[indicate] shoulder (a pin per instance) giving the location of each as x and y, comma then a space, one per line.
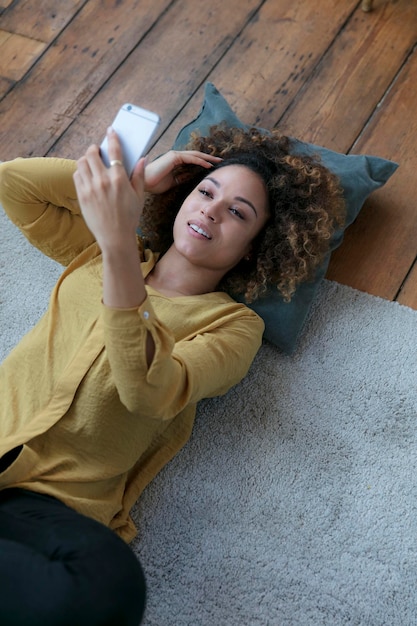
218, 310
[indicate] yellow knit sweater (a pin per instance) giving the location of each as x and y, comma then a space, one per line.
95, 422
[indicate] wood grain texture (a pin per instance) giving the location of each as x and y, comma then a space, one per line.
276, 54
41, 21
380, 247
333, 108
268, 63
17, 54
408, 292
72, 71
173, 60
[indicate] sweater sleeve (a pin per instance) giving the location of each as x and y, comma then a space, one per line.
183, 372
39, 196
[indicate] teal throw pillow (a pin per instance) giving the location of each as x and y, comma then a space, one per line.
359, 176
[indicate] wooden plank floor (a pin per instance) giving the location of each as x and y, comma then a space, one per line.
324, 71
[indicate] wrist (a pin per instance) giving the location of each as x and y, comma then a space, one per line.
123, 284
119, 247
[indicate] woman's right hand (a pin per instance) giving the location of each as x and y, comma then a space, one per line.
111, 205
160, 174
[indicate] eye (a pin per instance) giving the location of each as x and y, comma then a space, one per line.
205, 192
236, 212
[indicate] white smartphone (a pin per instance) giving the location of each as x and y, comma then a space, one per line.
135, 128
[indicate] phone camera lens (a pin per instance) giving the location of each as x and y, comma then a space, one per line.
129, 108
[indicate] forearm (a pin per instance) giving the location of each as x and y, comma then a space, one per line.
29, 186
208, 362
38, 195
123, 284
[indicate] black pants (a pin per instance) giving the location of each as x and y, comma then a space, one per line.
59, 568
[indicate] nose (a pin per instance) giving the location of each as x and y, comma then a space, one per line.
211, 212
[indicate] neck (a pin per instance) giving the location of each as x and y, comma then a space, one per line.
174, 275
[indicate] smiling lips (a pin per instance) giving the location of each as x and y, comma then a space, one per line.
196, 228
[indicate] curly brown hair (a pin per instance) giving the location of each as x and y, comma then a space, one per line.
305, 204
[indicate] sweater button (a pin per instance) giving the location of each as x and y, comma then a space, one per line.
146, 315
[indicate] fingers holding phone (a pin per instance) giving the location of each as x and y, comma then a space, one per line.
110, 204
135, 128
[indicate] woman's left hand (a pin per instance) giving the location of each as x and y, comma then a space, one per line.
160, 174
111, 204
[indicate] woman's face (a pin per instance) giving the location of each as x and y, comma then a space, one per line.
218, 221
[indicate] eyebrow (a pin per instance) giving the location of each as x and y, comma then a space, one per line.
239, 198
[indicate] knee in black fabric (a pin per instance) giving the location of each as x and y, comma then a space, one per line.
59, 568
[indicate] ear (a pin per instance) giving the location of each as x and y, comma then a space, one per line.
248, 254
